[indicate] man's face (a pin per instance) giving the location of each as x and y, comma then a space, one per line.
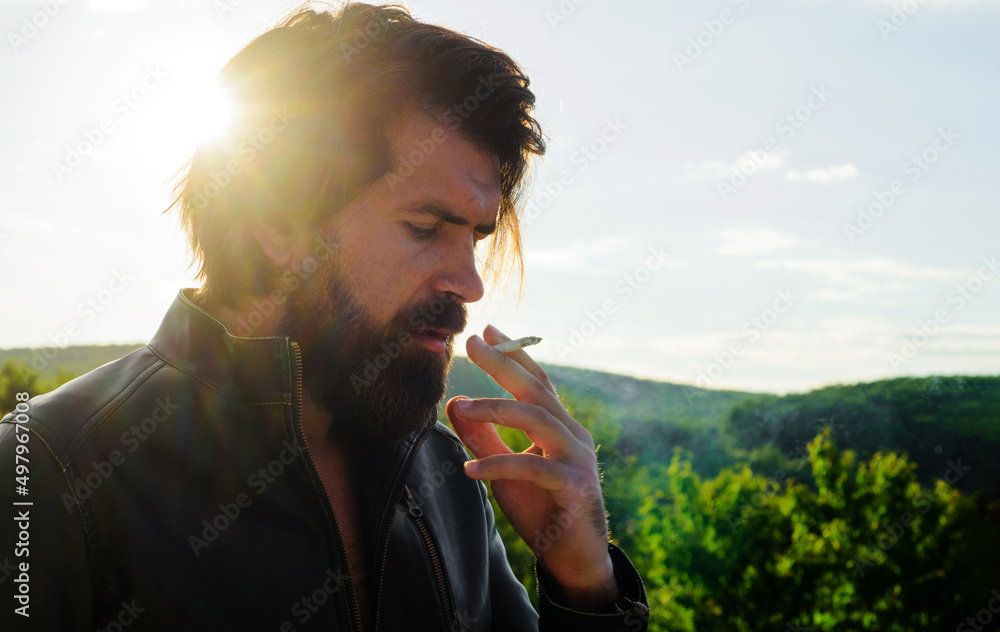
404, 265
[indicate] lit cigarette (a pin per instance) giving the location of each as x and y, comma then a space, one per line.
514, 345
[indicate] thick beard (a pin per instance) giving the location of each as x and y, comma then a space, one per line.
376, 381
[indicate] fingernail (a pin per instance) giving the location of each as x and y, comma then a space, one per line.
471, 466
463, 404
496, 331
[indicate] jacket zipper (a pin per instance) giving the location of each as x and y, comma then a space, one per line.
354, 621
407, 469
417, 513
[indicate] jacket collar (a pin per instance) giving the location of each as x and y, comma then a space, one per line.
251, 369
258, 370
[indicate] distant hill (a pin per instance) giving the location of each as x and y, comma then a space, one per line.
76, 359
629, 400
948, 425
938, 421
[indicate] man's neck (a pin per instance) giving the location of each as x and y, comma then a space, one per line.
316, 424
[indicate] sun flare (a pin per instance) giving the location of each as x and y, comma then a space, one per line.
207, 116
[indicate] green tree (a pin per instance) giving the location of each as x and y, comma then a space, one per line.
868, 548
16, 377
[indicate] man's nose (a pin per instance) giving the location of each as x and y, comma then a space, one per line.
460, 276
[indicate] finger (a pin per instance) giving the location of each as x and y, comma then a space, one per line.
520, 383
536, 422
481, 439
546, 473
494, 336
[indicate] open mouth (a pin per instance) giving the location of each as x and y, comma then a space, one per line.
440, 334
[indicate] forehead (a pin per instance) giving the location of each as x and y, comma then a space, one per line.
429, 159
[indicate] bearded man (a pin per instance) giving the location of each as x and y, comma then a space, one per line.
272, 458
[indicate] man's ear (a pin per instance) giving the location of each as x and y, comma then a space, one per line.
277, 244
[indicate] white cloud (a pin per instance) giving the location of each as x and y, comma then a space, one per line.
753, 160
873, 265
572, 257
859, 279
752, 242
708, 170
117, 5
613, 248
952, 3
837, 172
606, 245
747, 163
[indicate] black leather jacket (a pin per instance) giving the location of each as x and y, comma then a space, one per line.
174, 489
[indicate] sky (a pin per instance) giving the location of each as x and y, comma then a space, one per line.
764, 195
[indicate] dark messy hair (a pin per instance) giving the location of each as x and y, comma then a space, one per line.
314, 101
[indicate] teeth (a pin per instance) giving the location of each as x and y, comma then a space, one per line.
425, 331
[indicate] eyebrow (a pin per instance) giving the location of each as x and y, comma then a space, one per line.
447, 216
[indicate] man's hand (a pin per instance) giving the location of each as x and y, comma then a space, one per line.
551, 492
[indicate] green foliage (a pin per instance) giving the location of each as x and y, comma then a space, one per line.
868, 548
934, 420
16, 377
863, 545
74, 359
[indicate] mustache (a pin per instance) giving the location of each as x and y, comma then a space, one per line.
441, 312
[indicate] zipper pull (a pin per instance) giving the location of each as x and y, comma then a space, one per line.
415, 509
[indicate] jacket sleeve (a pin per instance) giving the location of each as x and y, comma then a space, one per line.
512, 609
629, 614
510, 605
43, 548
